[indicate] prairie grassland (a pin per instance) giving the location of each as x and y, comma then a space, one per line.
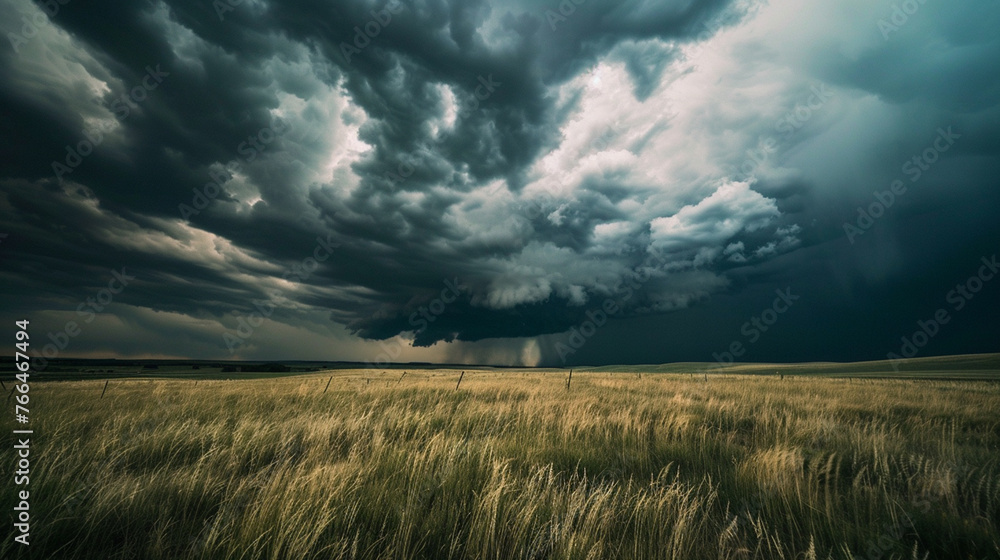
513, 465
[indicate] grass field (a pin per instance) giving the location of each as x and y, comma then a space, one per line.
626, 464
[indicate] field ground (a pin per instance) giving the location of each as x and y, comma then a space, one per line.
629, 462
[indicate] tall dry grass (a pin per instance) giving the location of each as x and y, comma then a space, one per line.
513, 466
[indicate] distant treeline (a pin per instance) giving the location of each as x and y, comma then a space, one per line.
273, 368
78, 364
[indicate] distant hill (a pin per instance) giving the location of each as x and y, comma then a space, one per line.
972, 366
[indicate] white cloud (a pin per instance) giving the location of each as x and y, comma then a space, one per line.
731, 209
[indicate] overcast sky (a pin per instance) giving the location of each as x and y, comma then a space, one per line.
507, 182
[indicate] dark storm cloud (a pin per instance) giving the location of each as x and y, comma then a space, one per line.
217, 94
536, 156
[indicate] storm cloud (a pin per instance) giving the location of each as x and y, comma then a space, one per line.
469, 180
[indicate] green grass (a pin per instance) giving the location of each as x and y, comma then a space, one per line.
513, 465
